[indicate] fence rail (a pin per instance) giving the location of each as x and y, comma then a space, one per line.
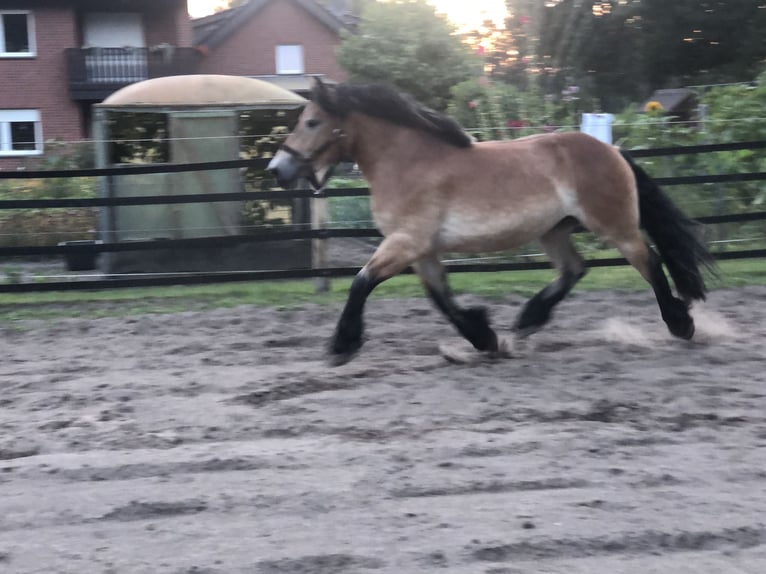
290, 234
258, 163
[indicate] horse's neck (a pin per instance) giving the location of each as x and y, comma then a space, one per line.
378, 144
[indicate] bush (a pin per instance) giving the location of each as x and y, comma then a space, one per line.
733, 114
40, 227
353, 212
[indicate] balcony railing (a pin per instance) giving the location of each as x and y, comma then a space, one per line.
94, 73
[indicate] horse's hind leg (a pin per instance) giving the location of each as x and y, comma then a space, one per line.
558, 246
674, 312
472, 323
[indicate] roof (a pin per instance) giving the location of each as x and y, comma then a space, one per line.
672, 99
294, 82
213, 30
203, 90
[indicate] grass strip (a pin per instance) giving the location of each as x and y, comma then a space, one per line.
290, 294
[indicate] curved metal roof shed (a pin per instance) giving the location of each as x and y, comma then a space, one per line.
201, 119
202, 90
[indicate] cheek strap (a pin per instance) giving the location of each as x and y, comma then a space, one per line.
307, 160
338, 135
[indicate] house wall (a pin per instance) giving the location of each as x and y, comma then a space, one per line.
40, 83
250, 50
164, 25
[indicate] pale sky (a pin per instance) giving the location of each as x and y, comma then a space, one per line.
464, 13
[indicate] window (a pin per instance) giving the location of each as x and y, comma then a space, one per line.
114, 30
17, 34
290, 59
20, 132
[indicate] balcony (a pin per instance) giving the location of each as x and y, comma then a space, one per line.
95, 73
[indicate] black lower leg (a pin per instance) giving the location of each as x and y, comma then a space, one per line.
348, 333
472, 323
674, 312
537, 311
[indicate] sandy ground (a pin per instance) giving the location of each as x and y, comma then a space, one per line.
220, 442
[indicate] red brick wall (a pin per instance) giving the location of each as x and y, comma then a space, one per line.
40, 83
170, 25
250, 50
184, 30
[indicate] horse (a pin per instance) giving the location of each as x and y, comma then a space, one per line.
434, 189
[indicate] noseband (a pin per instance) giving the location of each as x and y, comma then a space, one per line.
308, 160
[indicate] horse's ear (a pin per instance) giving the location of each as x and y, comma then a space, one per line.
319, 89
322, 94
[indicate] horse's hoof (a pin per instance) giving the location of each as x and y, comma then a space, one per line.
342, 350
505, 348
524, 332
458, 353
340, 359
683, 331
461, 352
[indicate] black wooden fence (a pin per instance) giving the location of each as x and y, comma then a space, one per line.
74, 249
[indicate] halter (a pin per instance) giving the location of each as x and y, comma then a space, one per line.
308, 160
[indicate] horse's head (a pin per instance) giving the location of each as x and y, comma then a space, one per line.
314, 148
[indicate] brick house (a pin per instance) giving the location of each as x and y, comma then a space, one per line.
58, 57
281, 41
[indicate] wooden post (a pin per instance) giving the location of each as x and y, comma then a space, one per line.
107, 216
319, 259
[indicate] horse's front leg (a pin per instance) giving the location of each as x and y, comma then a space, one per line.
348, 334
393, 256
472, 323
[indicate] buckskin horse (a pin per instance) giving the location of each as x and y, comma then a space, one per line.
435, 190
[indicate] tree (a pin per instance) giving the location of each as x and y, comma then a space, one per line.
345, 6
408, 45
495, 46
523, 25
621, 50
596, 46
693, 41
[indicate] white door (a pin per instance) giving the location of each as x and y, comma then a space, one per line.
114, 30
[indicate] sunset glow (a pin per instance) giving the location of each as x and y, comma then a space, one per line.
465, 15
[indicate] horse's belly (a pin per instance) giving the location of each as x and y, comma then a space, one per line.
474, 234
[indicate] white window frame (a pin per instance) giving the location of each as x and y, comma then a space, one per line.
290, 59
7, 117
32, 52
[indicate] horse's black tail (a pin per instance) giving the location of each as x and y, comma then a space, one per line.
674, 234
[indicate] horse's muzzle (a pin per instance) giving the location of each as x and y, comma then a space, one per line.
287, 170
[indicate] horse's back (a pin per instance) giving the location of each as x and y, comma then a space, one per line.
570, 162
582, 149
515, 190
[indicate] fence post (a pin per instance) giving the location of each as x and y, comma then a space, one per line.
106, 215
319, 220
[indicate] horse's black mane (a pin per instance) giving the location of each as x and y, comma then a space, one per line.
384, 102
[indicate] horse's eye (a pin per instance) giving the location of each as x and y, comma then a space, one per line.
312, 123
